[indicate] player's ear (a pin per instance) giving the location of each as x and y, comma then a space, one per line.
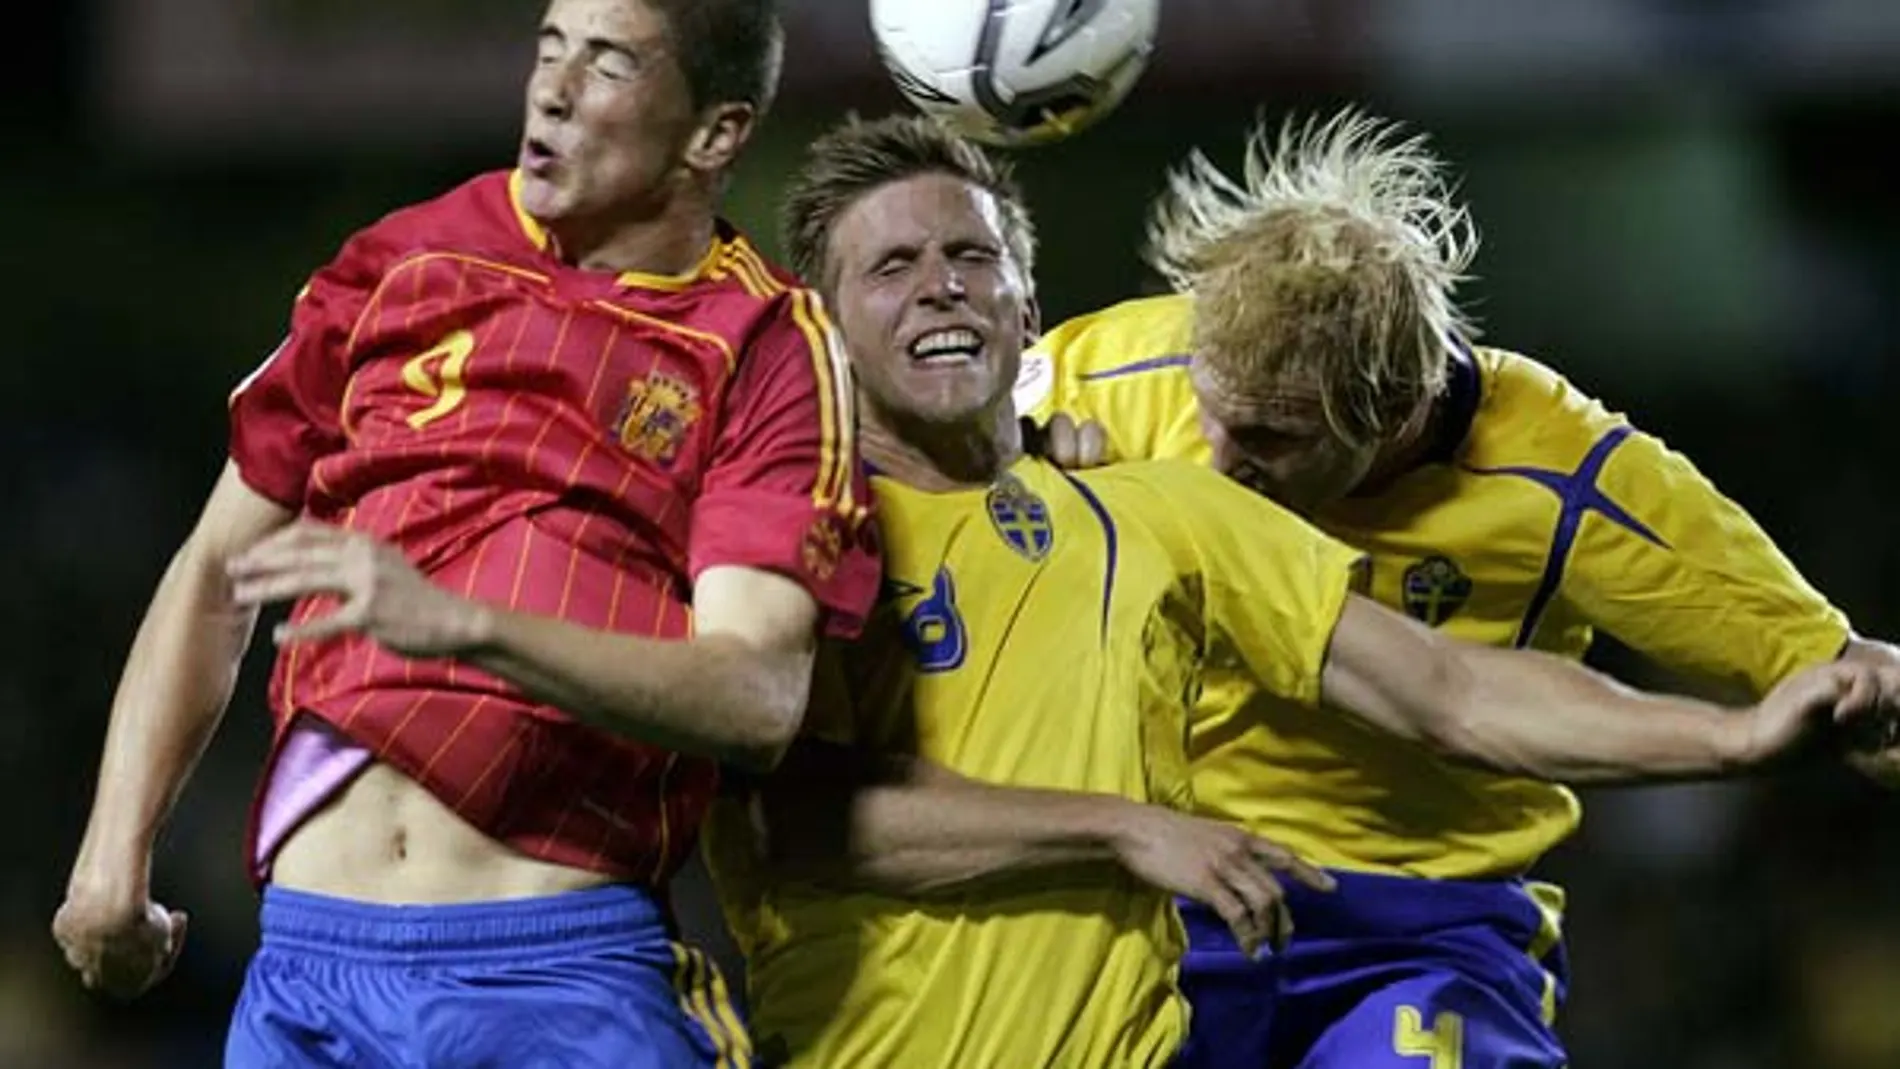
1032, 320
723, 131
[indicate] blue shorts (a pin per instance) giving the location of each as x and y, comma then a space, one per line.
588, 980
1384, 973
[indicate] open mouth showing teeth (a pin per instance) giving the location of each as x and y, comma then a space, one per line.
946, 347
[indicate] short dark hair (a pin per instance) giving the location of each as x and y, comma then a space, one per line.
859, 156
729, 50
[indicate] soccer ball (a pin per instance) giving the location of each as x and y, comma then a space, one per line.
1015, 72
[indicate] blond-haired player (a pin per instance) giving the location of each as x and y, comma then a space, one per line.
1314, 351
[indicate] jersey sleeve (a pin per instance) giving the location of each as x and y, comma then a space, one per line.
1125, 368
1681, 574
287, 414
784, 491
1273, 586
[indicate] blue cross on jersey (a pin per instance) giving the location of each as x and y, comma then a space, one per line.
1580, 496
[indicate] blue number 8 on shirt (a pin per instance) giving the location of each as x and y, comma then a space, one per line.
933, 630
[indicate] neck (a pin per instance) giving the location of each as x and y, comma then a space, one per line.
669, 241
941, 456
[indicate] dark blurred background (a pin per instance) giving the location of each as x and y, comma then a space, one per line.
1685, 208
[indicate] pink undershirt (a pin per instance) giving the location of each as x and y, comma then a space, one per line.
314, 762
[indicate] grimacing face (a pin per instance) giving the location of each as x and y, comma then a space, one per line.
609, 114
1277, 443
933, 309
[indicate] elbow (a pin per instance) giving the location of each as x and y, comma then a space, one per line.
763, 744
776, 712
750, 701
1463, 730
1445, 718
1440, 728
1453, 737
1462, 739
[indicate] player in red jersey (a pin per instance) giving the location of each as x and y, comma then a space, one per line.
556, 440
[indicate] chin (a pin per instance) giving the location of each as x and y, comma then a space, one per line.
945, 402
544, 201
944, 411
938, 414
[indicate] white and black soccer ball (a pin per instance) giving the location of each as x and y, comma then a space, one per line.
1015, 72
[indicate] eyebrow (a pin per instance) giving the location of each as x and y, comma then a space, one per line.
951, 245
967, 242
1274, 418
1280, 423
882, 254
634, 49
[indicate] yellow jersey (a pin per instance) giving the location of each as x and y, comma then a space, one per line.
1048, 631
1540, 517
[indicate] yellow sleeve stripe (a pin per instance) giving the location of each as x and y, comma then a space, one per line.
836, 416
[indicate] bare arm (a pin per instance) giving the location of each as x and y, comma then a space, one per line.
894, 823
735, 691
173, 691
1869, 651
903, 826
1533, 714
171, 697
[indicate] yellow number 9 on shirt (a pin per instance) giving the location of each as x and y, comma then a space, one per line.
443, 382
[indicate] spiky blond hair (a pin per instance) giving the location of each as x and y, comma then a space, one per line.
1335, 262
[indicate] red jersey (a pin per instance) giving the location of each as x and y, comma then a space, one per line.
563, 442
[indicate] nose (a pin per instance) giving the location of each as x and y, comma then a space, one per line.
550, 90
941, 283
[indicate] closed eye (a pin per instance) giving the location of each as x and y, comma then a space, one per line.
614, 62
893, 263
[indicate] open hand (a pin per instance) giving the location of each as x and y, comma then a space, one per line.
380, 594
1219, 865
